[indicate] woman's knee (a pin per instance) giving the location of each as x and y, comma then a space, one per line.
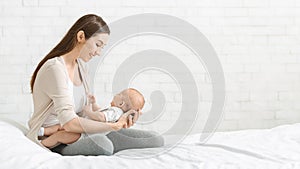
157, 140
152, 138
102, 144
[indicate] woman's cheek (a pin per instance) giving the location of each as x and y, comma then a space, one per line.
94, 50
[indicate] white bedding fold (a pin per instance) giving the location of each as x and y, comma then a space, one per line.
270, 148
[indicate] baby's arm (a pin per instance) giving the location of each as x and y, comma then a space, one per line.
94, 115
95, 107
92, 100
60, 137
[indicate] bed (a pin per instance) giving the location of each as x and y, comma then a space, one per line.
274, 148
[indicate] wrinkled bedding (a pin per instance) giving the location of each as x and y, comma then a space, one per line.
274, 148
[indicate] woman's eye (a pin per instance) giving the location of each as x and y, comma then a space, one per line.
101, 46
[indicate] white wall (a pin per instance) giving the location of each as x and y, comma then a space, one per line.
257, 41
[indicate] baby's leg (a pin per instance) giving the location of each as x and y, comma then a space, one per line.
60, 137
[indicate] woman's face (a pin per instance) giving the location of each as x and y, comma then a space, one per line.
93, 46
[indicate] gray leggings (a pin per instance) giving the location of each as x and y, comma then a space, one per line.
99, 144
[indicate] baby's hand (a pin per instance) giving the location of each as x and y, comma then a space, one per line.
92, 99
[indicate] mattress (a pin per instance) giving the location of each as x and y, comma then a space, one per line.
274, 148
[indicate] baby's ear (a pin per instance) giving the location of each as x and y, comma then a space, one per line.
122, 104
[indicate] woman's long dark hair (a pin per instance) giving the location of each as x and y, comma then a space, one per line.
90, 24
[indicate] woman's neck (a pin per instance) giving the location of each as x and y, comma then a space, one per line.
70, 58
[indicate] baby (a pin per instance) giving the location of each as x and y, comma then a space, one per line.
122, 102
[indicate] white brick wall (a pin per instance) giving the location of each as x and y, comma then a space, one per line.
257, 42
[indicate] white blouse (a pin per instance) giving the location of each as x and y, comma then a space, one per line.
79, 98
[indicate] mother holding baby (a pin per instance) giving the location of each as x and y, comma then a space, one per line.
60, 90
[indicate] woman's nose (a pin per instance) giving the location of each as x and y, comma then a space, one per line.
98, 52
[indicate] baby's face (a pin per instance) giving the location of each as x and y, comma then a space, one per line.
117, 100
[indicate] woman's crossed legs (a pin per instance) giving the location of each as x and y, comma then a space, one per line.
99, 144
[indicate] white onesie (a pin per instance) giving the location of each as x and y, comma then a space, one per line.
112, 114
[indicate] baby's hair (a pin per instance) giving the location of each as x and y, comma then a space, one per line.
139, 93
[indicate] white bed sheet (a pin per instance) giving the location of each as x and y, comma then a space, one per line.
269, 148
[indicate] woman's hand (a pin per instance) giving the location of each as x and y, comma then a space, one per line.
126, 120
52, 129
140, 112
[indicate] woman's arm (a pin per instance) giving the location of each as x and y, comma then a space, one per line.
82, 125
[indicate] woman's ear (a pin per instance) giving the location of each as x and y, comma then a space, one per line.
80, 36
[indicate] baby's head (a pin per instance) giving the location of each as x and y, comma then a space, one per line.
128, 99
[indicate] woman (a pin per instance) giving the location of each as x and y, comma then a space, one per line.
52, 83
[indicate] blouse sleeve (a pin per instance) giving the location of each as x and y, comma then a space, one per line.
55, 85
